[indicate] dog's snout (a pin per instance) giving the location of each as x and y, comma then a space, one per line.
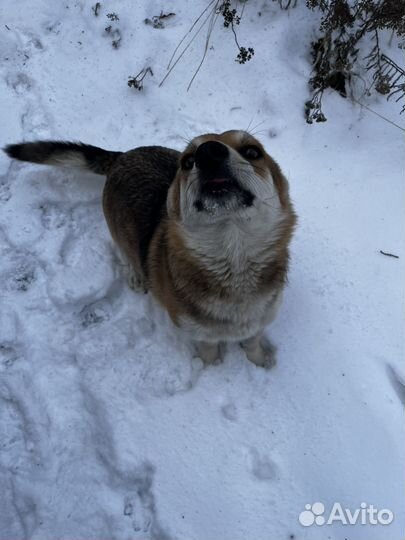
210, 155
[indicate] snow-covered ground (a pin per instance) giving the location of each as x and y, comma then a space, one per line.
109, 429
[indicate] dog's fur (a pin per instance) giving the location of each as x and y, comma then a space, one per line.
206, 230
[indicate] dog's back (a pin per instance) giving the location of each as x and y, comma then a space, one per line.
134, 199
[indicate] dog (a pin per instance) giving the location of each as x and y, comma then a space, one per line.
206, 231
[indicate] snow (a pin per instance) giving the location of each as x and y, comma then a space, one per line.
109, 428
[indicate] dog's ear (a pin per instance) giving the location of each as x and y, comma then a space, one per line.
280, 181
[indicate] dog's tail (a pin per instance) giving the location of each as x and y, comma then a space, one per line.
65, 154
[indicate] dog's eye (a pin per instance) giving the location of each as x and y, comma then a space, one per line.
187, 162
251, 152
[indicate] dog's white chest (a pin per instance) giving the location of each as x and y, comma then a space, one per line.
236, 257
233, 320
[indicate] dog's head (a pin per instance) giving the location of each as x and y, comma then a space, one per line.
225, 176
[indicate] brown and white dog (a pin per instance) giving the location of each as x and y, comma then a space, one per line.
206, 231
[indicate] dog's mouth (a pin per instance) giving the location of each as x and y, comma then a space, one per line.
224, 192
219, 187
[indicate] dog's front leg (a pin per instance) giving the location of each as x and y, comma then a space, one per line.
210, 353
260, 351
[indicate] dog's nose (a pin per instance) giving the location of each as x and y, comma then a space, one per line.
210, 155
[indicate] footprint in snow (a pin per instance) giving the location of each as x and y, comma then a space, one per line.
261, 466
139, 509
95, 313
20, 432
8, 356
230, 412
84, 273
34, 120
19, 82
53, 215
19, 271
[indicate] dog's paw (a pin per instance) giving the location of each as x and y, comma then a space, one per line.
260, 352
136, 282
211, 354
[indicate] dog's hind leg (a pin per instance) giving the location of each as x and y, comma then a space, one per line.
135, 277
136, 281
